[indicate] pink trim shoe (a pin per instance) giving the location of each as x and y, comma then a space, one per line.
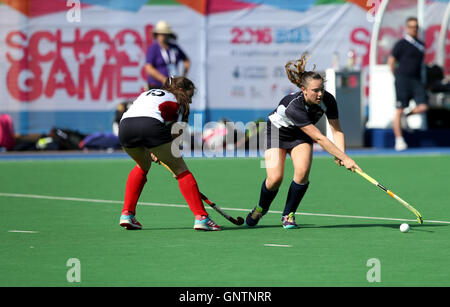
203, 222
129, 222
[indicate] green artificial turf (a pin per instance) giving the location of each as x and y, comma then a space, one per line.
71, 208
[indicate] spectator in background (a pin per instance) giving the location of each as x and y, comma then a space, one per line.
163, 57
406, 63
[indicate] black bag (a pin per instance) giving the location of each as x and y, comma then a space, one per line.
67, 139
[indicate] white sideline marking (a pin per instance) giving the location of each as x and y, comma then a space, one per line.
277, 245
23, 231
90, 200
228, 209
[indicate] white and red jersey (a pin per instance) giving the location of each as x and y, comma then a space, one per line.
155, 103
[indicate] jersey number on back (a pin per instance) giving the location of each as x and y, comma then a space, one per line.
155, 92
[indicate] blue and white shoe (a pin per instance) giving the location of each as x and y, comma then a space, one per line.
129, 222
203, 222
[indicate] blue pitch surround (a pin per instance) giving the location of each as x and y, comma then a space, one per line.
384, 138
119, 154
27, 122
87, 122
40, 122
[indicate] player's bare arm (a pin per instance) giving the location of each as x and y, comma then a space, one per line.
331, 148
338, 137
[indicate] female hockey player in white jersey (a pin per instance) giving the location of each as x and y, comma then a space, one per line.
145, 129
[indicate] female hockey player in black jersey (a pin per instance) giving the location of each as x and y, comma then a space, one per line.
291, 130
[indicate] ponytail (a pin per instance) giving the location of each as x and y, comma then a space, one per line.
297, 74
183, 89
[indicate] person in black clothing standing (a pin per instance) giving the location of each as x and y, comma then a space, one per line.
291, 130
406, 63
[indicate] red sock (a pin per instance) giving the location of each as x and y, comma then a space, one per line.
189, 189
135, 183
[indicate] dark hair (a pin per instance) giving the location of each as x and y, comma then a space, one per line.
411, 19
171, 36
183, 89
297, 74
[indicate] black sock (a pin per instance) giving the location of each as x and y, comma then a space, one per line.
295, 195
266, 197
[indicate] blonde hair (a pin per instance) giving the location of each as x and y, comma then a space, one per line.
183, 89
297, 73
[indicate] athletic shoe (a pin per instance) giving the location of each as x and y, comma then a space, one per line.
254, 216
203, 222
129, 222
289, 221
400, 144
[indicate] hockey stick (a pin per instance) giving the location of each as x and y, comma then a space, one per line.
404, 203
239, 221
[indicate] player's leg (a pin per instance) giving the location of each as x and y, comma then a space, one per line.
135, 183
302, 160
171, 156
275, 160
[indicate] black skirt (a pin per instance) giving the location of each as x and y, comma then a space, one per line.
285, 137
143, 131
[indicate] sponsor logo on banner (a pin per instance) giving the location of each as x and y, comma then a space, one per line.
279, 72
268, 35
298, 35
250, 72
237, 91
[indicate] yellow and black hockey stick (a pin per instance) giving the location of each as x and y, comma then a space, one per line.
404, 203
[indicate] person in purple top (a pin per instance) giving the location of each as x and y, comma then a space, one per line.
163, 57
